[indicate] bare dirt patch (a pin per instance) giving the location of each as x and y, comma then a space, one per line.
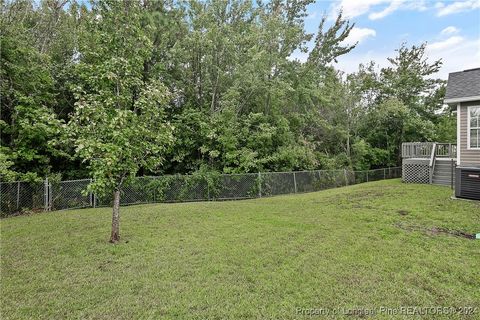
367, 194
436, 231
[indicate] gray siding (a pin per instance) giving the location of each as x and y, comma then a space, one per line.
467, 157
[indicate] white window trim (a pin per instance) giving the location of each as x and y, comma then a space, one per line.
468, 128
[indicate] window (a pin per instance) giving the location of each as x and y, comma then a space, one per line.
474, 127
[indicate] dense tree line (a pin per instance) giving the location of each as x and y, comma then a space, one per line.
204, 85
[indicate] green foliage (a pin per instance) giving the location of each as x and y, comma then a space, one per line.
446, 127
157, 188
402, 103
116, 143
328, 45
6, 163
29, 124
123, 73
211, 178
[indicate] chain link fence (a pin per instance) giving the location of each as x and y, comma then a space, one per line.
22, 196
18, 197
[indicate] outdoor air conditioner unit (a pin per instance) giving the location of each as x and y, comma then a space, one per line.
467, 184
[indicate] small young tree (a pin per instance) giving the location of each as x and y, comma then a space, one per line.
119, 124
116, 143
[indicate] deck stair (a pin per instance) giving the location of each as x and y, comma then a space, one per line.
442, 172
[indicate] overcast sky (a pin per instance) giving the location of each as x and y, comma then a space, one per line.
451, 29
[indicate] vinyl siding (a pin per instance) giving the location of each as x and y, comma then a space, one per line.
468, 158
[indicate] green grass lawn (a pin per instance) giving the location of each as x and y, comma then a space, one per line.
363, 246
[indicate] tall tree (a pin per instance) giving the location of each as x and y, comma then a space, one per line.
410, 92
28, 122
410, 79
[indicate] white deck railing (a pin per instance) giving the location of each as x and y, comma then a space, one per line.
427, 149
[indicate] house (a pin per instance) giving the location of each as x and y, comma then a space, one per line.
451, 164
463, 91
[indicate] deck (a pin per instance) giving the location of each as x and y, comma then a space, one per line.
429, 162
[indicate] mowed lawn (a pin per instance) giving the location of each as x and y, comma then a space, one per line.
364, 246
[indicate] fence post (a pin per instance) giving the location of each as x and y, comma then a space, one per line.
50, 196
259, 178
384, 173
294, 182
91, 195
45, 194
345, 175
18, 195
208, 192
367, 175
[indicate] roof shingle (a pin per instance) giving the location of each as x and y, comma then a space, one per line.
463, 84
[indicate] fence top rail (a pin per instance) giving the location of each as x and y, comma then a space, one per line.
24, 181
222, 174
75, 180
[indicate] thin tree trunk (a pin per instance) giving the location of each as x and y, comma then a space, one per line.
115, 237
212, 107
348, 146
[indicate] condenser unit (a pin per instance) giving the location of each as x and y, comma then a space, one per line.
467, 184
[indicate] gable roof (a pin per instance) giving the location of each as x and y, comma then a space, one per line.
463, 86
